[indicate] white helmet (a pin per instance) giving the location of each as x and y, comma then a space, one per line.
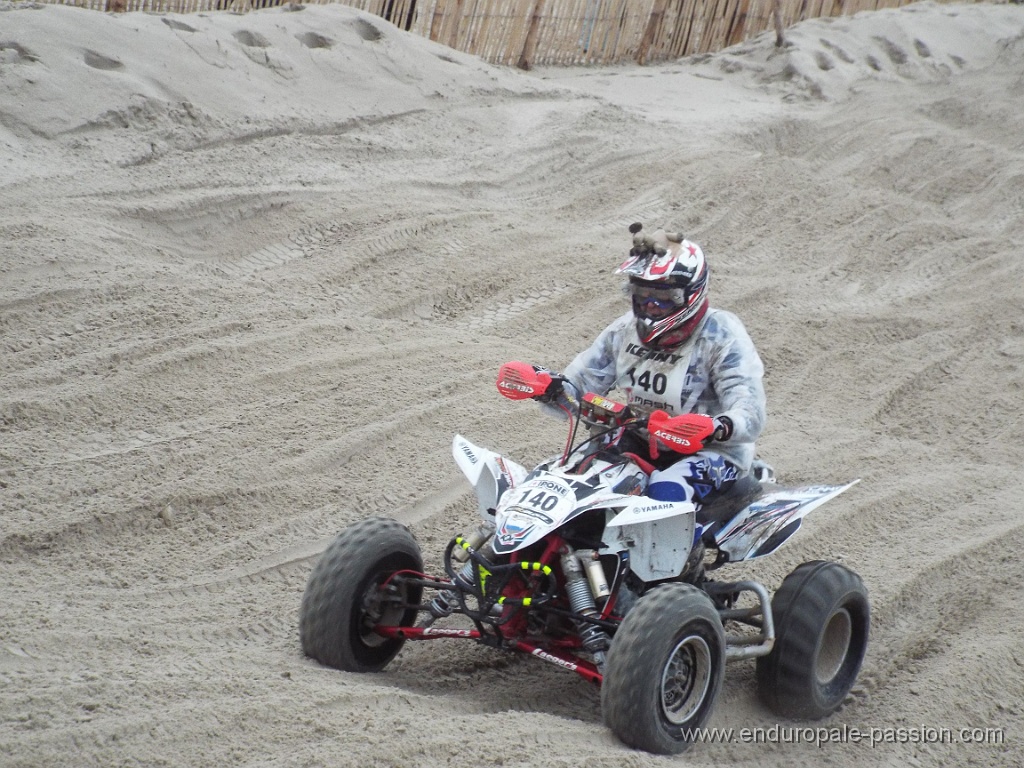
668, 281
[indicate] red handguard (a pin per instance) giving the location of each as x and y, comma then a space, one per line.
519, 381
683, 434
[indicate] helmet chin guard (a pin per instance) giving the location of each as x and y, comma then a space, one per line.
676, 335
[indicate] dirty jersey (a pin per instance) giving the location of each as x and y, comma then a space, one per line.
717, 371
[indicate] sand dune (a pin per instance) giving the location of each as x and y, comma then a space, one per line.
256, 270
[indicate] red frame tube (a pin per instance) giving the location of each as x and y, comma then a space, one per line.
426, 633
581, 667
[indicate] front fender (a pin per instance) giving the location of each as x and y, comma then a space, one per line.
488, 472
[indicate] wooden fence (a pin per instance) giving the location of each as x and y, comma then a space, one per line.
562, 32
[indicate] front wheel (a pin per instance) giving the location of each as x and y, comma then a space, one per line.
347, 596
822, 620
664, 670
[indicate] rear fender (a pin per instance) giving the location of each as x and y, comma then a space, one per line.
488, 472
767, 523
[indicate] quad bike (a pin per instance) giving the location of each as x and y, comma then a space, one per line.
574, 565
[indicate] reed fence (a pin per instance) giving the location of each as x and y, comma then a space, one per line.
525, 33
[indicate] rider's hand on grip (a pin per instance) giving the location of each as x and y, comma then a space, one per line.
723, 429
683, 434
519, 381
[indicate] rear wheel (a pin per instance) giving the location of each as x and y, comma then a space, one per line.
664, 670
822, 619
346, 596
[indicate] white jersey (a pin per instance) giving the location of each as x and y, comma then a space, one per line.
717, 371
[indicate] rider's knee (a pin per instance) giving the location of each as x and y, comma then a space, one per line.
666, 490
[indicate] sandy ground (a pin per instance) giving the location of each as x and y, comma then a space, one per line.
256, 270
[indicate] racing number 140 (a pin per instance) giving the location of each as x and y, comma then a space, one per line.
657, 383
540, 500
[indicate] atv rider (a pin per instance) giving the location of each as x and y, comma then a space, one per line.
674, 353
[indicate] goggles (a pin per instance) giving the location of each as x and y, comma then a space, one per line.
661, 299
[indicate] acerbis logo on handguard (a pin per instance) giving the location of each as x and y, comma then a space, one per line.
505, 384
668, 437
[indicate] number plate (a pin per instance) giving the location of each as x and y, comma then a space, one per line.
543, 498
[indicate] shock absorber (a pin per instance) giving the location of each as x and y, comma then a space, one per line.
446, 601
581, 600
474, 541
595, 573
442, 605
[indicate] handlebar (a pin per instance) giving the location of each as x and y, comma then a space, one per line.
684, 434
